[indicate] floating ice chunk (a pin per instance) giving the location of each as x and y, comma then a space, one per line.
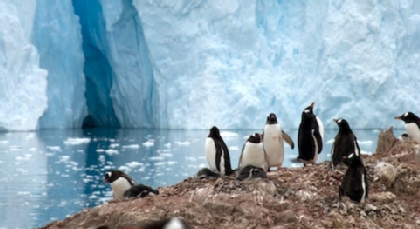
54, 148
23, 193
4, 142
331, 141
125, 168
149, 143
111, 152
166, 155
114, 145
182, 143
363, 152
171, 162
100, 150
168, 145
190, 159
75, 141
64, 158
133, 146
156, 158
364, 142
202, 165
101, 159
32, 149
133, 164
228, 134
233, 148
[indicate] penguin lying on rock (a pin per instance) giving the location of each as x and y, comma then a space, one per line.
123, 186
250, 171
167, 223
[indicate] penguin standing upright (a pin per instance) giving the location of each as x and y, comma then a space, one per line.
310, 137
273, 141
412, 125
120, 182
253, 153
217, 153
355, 184
345, 143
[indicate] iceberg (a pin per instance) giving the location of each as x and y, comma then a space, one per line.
176, 64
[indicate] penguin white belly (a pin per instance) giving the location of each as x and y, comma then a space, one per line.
320, 127
413, 131
273, 144
210, 148
253, 155
315, 159
119, 186
362, 200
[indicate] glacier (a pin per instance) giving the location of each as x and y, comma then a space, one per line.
177, 64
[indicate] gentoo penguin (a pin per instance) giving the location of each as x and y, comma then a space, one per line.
405, 138
250, 171
166, 223
140, 190
273, 141
205, 172
355, 184
412, 125
120, 182
345, 143
253, 153
310, 137
217, 153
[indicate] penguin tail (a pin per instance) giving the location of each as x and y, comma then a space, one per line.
156, 192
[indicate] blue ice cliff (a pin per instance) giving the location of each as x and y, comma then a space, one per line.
193, 64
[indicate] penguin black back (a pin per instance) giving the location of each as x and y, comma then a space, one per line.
354, 183
221, 149
140, 190
345, 143
250, 172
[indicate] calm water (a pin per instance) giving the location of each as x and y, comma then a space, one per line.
50, 174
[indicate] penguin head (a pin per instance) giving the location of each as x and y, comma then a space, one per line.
214, 133
255, 138
271, 119
405, 137
308, 111
343, 125
408, 117
113, 175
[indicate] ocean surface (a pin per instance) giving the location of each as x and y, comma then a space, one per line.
50, 174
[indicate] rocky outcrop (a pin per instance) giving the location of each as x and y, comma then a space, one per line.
289, 198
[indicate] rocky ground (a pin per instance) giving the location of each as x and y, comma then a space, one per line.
290, 198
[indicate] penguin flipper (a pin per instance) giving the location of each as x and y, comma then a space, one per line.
288, 139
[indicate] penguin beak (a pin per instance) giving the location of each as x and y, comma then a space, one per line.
335, 120
312, 104
104, 181
397, 117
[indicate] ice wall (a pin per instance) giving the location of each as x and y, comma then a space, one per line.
56, 35
22, 82
230, 63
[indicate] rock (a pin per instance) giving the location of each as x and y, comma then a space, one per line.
286, 216
383, 197
386, 140
386, 173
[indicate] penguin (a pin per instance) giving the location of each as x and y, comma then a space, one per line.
345, 143
217, 153
205, 172
405, 138
273, 143
120, 182
250, 171
253, 153
166, 223
140, 190
412, 125
310, 137
354, 184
